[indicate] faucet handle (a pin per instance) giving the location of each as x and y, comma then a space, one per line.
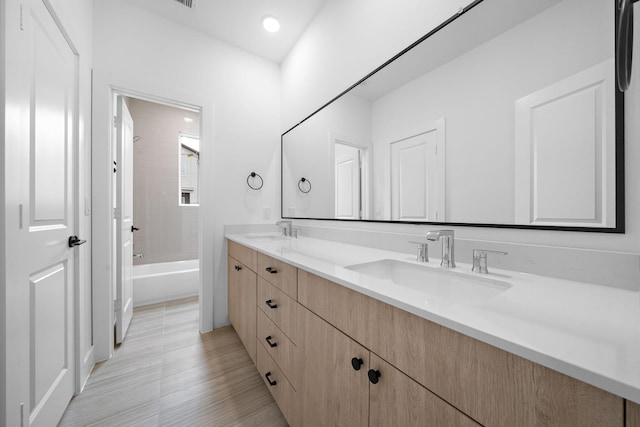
423, 251
480, 260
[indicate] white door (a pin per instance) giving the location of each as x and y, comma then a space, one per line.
417, 176
40, 359
124, 220
347, 181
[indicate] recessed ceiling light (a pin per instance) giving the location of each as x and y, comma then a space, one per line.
188, 120
270, 24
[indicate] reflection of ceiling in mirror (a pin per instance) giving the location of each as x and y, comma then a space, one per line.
450, 43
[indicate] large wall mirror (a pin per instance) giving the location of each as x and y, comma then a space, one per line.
507, 115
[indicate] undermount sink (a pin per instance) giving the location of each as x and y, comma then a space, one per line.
446, 286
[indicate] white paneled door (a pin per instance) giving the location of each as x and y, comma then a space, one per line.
565, 151
40, 359
418, 176
124, 219
348, 192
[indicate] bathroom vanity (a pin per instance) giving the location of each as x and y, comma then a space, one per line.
340, 345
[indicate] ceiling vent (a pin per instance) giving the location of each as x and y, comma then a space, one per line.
189, 3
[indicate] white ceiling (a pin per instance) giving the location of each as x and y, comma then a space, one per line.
239, 22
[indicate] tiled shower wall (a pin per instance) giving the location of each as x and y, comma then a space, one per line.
168, 231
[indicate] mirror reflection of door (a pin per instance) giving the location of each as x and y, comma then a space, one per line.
348, 181
417, 177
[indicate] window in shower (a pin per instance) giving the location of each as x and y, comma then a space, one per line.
189, 169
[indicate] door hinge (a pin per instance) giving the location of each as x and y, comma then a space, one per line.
21, 23
116, 213
21, 216
117, 121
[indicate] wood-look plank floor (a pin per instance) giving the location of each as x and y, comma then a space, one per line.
168, 374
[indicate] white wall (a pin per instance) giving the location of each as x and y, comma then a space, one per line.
349, 39
239, 93
309, 154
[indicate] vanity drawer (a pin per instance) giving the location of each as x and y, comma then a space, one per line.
280, 274
492, 386
280, 389
279, 347
278, 307
247, 256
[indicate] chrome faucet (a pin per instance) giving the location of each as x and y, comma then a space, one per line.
287, 228
448, 255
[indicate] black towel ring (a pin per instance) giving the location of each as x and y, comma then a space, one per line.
302, 182
249, 181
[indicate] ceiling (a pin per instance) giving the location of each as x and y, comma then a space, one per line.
239, 22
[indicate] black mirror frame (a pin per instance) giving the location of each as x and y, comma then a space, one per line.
622, 50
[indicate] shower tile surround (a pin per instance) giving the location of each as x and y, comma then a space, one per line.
168, 232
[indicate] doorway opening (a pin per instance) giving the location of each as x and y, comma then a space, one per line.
156, 149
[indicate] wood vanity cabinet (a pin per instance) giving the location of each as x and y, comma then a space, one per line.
411, 371
492, 386
241, 295
337, 385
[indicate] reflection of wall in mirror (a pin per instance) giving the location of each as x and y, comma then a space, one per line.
308, 150
476, 92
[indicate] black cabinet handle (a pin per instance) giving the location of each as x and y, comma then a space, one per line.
269, 303
357, 363
134, 229
237, 267
271, 344
373, 376
271, 383
271, 270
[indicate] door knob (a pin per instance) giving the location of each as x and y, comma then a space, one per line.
74, 241
134, 229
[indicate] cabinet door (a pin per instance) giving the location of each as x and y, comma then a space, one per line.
633, 414
241, 303
398, 400
331, 392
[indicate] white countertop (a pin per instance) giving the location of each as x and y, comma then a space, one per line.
586, 331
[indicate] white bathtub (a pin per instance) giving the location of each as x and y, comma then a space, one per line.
165, 281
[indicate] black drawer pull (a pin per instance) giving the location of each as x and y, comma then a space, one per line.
373, 376
271, 383
238, 268
357, 363
271, 344
269, 303
271, 270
